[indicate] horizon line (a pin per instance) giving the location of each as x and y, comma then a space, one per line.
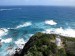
39, 5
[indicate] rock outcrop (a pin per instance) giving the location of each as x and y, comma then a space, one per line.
42, 44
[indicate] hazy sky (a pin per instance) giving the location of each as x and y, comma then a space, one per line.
38, 2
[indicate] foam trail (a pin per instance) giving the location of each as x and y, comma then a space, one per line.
5, 9
3, 32
20, 43
50, 22
26, 24
8, 9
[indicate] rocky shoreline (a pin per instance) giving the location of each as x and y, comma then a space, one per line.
41, 44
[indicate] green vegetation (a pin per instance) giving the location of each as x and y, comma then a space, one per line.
42, 44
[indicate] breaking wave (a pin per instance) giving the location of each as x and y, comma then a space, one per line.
3, 32
9, 9
26, 24
8, 40
50, 22
5, 9
64, 32
20, 43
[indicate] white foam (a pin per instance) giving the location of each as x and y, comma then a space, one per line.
3, 32
8, 9
70, 32
31, 35
47, 31
11, 52
50, 22
20, 43
59, 30
5, 9
8, 40
65, 32
26, 24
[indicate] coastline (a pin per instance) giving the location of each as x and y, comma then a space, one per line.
63, 44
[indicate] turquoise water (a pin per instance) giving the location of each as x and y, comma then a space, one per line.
24, 21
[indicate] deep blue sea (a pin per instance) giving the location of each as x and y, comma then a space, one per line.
18, 23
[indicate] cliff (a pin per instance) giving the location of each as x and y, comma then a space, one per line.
42, 44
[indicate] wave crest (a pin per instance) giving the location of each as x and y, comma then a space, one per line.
64, 32
20, 43
5, 9
8, 40
3, 32
8, 9
26, 24
50, 22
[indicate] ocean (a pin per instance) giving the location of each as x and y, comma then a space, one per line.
19, 23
